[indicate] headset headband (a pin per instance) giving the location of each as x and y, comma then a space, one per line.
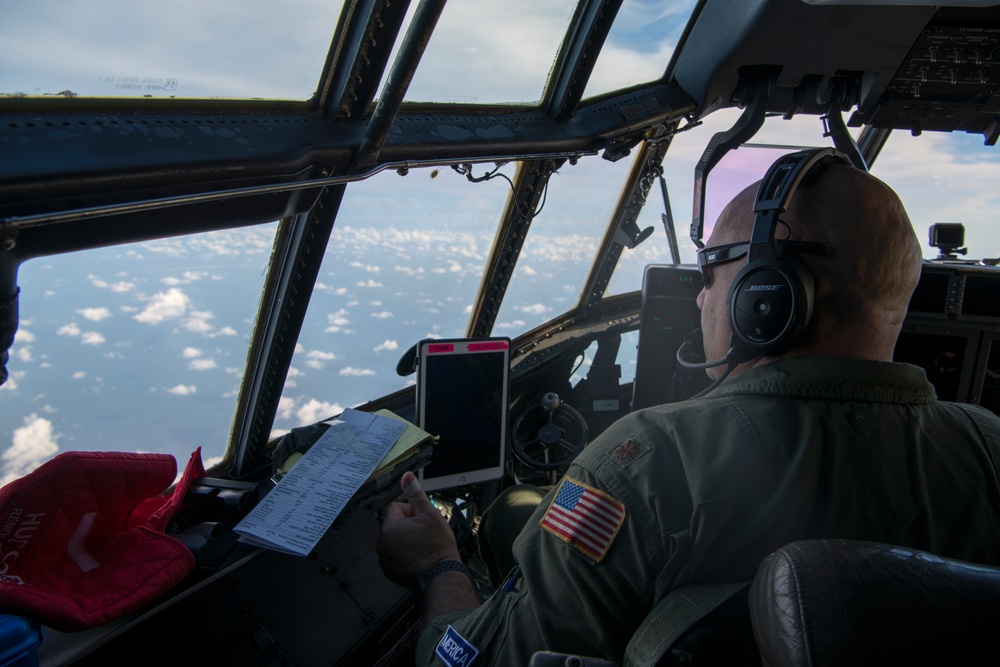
775, 194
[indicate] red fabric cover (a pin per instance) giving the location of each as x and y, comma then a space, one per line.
81, 537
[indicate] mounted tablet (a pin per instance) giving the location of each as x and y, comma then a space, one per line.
462, 398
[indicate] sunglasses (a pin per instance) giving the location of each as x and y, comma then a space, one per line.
730, 252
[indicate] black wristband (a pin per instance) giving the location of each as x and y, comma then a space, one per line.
424, 580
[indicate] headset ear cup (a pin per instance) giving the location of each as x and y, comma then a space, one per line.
770, 303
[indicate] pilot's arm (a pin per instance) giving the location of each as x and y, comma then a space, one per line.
575, 597
415, 537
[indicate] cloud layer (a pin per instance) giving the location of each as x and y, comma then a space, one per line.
33, 443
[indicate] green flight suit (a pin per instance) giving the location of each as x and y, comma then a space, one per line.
796, 449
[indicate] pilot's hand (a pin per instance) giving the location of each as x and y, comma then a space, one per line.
415, 536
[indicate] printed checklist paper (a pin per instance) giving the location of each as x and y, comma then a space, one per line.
298, 511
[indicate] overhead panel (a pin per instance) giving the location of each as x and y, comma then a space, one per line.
949, 80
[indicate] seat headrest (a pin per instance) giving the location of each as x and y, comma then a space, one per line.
837, 602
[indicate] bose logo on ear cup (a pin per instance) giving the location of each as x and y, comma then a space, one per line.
764, 288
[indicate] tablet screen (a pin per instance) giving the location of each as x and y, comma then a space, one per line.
462, 398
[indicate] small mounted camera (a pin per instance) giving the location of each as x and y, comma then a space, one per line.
948, 237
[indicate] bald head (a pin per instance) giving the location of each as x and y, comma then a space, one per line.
864, 282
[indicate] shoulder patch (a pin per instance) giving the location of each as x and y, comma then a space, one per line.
585, 518
629, 451
455, 650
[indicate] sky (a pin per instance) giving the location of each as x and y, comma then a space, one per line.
264, 49
250, 48
142, 347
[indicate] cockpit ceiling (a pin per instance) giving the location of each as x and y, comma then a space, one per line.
905, 67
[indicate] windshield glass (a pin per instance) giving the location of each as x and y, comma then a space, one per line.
643, 38
488, 52
561, 244
182, 49
138, 347
946, 178
404, 263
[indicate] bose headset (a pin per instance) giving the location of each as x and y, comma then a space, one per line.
771, 297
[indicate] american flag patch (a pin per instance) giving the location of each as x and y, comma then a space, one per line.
584, 518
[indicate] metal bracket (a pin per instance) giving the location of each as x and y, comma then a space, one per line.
745, 127
834, 127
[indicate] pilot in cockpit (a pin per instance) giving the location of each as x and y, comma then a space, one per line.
812, 432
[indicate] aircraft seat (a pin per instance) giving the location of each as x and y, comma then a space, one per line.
826, 603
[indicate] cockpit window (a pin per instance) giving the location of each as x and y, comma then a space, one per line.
489, 52
945, 178
643, 37
137, 347
561, 244
404, 263
144, 48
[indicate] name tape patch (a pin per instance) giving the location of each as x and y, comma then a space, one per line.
455, 650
